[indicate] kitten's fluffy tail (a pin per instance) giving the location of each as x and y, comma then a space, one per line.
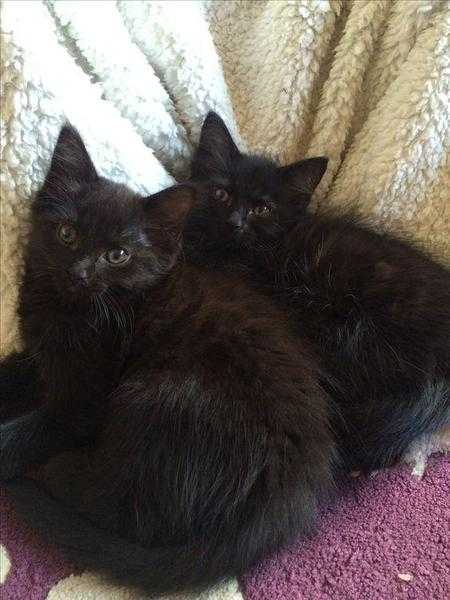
157, 571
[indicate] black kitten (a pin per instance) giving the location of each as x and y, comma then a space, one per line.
246, 200
207, 430
376, 309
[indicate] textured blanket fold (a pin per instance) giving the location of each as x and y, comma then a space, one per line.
365, 82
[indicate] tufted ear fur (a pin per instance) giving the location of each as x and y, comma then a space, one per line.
216, 149
298, 181
171, 206
70, 167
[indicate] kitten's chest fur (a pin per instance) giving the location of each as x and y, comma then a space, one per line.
172, 316
199, 320
79, 350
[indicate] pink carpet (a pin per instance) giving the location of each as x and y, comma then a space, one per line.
387, 539
35, 566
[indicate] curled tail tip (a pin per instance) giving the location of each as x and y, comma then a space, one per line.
154, 571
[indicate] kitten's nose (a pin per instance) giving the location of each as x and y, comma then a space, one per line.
238, 218
80, 274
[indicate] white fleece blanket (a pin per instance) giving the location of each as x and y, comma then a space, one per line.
365, 82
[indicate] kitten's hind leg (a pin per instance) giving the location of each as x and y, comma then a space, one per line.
421, 448
31, 440
71, 478
19, 389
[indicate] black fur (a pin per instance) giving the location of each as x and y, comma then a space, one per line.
18, 386
221, 231
203, 421
376, 308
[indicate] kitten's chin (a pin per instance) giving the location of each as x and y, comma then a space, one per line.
81, 295
244, 236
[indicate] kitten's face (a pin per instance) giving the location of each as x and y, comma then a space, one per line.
94, 239
246, 196
91, 235
237, 205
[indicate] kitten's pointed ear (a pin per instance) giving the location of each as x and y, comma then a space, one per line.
216, 148
171, 206
298, 181
71, 165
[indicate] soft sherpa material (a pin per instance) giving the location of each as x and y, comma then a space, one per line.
365, 82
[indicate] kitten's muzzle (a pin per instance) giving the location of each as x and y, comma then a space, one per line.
238, 218
242, 219
79, 277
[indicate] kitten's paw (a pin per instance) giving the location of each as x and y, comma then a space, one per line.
223, 197
11, 458
18, 386
416, 456
20, 445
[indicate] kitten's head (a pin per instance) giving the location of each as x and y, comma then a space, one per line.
91, 235
245, 194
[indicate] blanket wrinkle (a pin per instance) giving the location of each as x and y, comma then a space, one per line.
124, 72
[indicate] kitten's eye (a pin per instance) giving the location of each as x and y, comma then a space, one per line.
262, 211
221, 195
67, 234
117, 256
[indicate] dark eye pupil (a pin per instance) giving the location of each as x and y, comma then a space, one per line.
221, 194
117, 255
67, 233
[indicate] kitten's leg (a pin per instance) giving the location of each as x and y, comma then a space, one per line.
420, 449
71, 478
18, 386
63, 473
30, 440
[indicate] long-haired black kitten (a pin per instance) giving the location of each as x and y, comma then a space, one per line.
376, 308
206, 427
247, 200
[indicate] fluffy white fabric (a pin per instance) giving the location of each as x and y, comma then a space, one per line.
365, 82
89, 586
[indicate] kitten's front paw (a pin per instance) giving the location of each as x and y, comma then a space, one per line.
18, 386
416, 456
13, 459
